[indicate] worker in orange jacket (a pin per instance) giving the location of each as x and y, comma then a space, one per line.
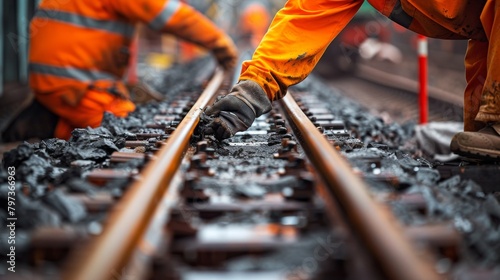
79, 51
302, 30
254, 21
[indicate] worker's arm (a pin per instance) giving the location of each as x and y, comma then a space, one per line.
181, 20
295, 41
297, 38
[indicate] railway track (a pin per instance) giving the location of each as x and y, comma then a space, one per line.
395, 255
313, 190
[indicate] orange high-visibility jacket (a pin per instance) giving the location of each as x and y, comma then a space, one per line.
75, 44
302, 30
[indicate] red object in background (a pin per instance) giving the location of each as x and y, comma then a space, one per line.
422, 77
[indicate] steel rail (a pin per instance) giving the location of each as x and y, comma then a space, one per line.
377, 228
399, 82
109, 252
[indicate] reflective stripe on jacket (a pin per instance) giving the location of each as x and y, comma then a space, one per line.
302, 30
76, 43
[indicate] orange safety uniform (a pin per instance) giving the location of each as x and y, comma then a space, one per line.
302, 30
79, 51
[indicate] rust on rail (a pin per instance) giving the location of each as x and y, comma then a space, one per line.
377, 229
109, 252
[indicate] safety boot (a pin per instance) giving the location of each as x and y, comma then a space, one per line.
484, 144
34, 122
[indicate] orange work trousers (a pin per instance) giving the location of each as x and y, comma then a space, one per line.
482, 95
87, 113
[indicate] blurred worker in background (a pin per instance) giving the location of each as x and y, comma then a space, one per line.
79, 51
302, 30
254, 20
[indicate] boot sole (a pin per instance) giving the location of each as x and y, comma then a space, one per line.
476, 153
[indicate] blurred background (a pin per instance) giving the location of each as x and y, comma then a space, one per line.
370, 39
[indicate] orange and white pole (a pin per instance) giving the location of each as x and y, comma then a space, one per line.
422, 77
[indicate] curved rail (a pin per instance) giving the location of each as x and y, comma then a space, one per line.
109, 252
375, 227
403, 83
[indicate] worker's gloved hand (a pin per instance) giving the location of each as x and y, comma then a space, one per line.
237, 110
225, 52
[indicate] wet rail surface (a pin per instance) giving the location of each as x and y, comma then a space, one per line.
265, 203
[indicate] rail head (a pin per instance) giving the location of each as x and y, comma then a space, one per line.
106, 256
377, 229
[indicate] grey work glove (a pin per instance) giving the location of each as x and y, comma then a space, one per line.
237, 110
